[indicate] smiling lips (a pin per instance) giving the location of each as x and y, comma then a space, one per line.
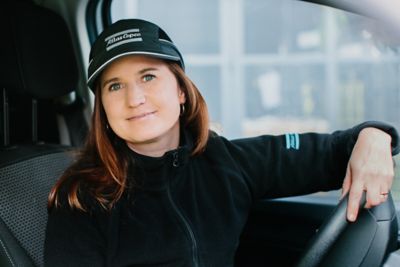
141, 116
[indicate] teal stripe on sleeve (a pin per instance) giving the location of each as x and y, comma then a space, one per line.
297, 143
292, 141
287, 141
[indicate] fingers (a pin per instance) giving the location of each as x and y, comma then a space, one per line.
374, 196
384, 193
353, 204
370, 169
346, 182
377, 189
384, 197
376, 193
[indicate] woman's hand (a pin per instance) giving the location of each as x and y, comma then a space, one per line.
370, 169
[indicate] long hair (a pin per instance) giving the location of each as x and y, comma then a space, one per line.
101, 167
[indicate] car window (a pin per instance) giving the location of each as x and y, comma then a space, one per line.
273, 66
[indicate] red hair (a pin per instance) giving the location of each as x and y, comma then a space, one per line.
101, 166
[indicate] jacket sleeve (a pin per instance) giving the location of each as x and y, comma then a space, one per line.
73, 239
295, 164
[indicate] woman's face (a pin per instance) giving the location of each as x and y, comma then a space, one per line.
141, 99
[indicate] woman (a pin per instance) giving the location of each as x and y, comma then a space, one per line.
153, 186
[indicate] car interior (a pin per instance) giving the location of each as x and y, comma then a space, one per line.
34, 94
45, 116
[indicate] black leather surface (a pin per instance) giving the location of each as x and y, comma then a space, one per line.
36, 52
363, 243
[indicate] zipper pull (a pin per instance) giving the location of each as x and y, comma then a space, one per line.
175, 162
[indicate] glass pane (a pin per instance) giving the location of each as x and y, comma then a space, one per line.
280, 26
207, 80
184, 21
369, 92
280, 98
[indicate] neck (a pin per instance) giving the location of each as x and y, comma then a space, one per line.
155, 148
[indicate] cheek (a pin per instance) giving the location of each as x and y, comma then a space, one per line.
176, 111
106, 107
109, 110
172, 105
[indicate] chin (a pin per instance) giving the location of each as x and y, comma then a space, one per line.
149, 133
146, 136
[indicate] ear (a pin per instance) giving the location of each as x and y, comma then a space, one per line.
182, 97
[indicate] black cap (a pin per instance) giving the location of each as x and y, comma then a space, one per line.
130, 37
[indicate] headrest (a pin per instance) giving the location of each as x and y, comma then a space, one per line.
36, 52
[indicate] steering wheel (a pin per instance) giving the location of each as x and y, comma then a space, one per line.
365, 242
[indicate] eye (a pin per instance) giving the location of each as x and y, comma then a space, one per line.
148, 77
114, 87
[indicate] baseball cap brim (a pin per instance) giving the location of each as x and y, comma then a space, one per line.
99, 64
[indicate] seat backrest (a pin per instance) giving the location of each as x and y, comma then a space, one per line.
38, 67
38, 63
26, 180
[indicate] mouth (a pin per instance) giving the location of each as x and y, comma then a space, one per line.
141, 116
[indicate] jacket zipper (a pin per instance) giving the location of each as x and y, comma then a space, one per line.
175, 163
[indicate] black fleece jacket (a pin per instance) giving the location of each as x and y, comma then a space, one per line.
190, 211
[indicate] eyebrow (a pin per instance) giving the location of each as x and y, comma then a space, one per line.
146, 70
108, 81
140, 72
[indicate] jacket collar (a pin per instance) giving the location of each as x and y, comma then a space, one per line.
176, 157
153, 172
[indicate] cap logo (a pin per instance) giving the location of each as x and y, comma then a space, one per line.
119, 38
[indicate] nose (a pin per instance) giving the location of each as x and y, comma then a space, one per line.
135, 96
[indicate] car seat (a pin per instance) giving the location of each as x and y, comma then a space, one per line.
38, 70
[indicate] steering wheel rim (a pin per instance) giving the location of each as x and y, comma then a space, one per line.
327, 234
